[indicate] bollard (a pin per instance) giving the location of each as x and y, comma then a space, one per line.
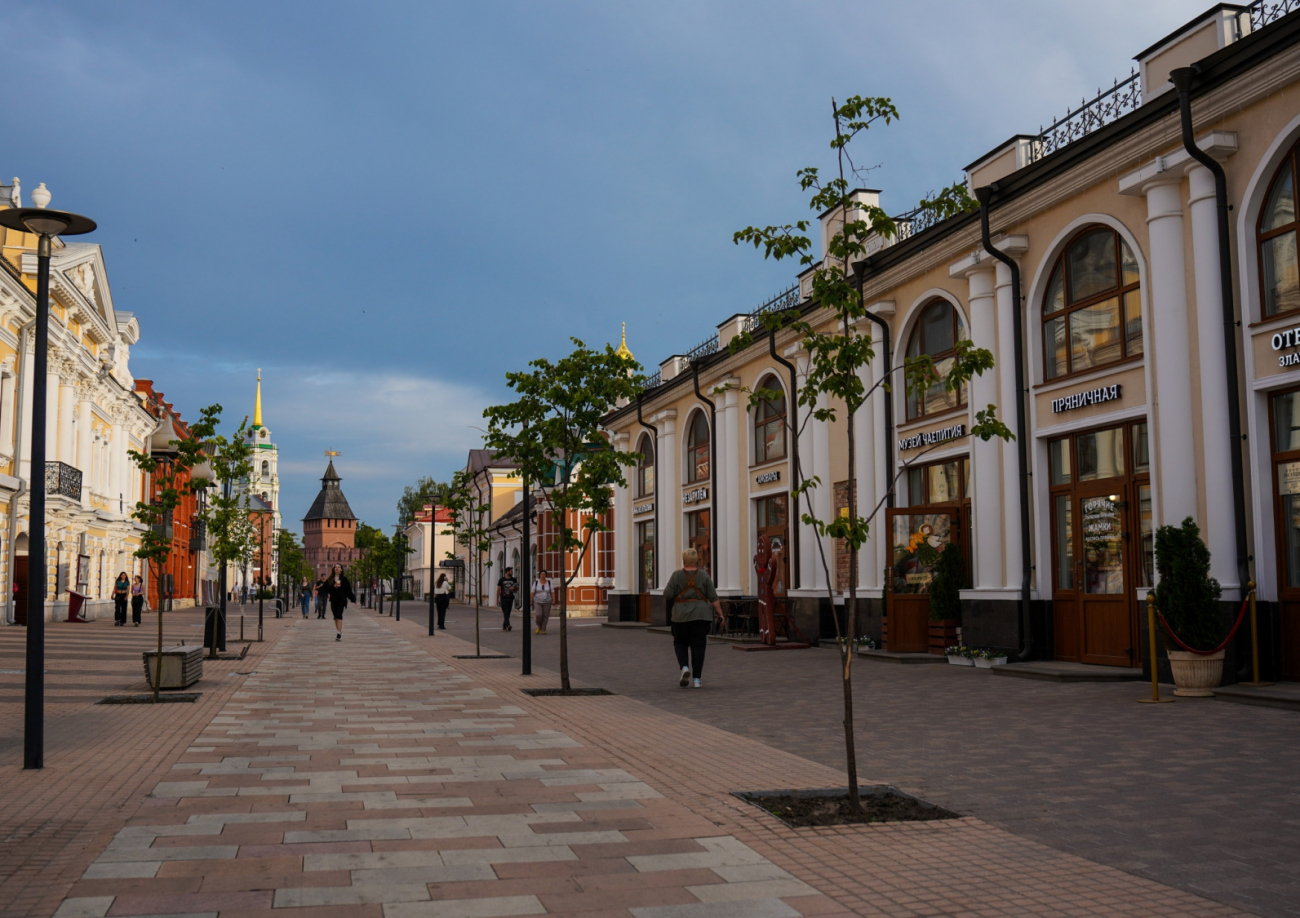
1151, 638
1254, 639
241, 628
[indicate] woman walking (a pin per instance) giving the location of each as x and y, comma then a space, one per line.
694, 602
304, 596
442, 598
121, 588
137, 599
339, 590
541, 601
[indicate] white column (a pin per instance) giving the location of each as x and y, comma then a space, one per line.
808, 578
1006, 372
85, 441
885, 437
986, 460
624, 564
7, 409
668, 497
23, 429
723, 470
51, 416
866, 460
1212, 366
824, 495
731, 472
117, 487
67, 408
1169, 348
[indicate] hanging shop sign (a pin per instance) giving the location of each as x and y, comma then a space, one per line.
1084, 399
1286, 339
644, 508
931, 437
768, 477
698, 494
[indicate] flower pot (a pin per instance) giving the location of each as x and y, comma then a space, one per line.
1196, 676
957, 659
998, 661
983, 663
943, 633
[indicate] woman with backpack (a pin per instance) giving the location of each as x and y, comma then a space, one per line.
694, 602
542, 589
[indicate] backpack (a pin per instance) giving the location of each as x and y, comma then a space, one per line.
690, 585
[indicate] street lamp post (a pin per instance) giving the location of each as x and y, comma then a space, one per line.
400, 544
261, 563
46, 224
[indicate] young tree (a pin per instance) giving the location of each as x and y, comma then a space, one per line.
838, 350
552, 431
292, 562
166, 472
363, 571
469, 519
234, 535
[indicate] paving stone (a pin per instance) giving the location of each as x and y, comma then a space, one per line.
468, 908
84, 907
764, 908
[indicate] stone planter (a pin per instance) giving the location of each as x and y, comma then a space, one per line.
957, 659
1196, 676
983, 663
943, 634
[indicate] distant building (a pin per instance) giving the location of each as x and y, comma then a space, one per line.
428, 549
329, 530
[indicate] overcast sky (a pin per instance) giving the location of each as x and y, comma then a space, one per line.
388, 205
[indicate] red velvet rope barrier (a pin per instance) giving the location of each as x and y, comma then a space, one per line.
1205, 653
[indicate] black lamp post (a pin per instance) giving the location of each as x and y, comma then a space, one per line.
262, 565
399, 542
46, 224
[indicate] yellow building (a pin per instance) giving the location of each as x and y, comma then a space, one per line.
93, 417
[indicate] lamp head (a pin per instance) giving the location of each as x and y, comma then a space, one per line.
45, 222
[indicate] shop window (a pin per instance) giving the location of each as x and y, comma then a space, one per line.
697, 537
1277, 243
697, 449
769, 424
938, 483
1092, 313
645, 468
936, 335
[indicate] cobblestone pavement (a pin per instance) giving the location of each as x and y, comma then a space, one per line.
380, 775
1201, 795
100, 761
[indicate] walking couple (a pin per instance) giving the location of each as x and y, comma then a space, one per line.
542, 591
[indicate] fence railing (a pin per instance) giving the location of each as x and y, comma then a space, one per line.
1263, 12
63, 479
786, 299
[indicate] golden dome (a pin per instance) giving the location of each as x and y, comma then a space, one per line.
622, 347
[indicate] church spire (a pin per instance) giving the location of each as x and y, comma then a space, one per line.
622, 347
257, 408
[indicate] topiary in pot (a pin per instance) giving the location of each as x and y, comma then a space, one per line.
949, 575
1188, 600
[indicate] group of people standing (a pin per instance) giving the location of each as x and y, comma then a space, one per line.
334, 590
508, 590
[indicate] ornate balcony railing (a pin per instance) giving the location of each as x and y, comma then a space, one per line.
703, 349
63, 479
1263, 12
654, 380
1108, 106
786, 299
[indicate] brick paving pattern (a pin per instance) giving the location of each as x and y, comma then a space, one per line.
380, 776
1201, 795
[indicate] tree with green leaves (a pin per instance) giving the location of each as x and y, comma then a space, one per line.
470, 516
552, 432
167, 471
413, 499
838, 350
292, 563
227, 515
363, 571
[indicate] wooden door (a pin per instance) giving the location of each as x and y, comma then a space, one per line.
917, 535
20, 589
1104, 594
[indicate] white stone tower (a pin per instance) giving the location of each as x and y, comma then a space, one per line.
265, 482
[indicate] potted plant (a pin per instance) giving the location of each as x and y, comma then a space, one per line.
945, 598
1187, 599
958, 655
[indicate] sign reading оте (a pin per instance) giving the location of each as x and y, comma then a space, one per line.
1285, 339
1084, 399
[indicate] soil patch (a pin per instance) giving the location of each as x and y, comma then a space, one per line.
148, 699
831, 807
539, 692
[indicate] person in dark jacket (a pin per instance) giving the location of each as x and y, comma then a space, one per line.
121, 590
339, 590
137, 599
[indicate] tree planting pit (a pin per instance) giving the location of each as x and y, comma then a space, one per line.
544, 692
881, 803
148, 699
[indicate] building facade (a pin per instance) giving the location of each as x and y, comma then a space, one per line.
93, 418
430, 537
1135, 375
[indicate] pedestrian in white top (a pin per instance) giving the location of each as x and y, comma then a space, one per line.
541, 601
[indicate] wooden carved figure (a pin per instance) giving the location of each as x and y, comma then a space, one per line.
765, 575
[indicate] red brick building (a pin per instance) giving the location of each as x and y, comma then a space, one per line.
178, 577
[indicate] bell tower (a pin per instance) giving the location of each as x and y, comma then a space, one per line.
265, 478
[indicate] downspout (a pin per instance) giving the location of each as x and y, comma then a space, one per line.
1022, 444
654, 433
794, 454
20, 365
713, 472
891, 463
1182, 80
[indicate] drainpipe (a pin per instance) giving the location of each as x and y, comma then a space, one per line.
1022, 427
654, 433
713, 471
19, 366
1182, 80
794, 454
891, 463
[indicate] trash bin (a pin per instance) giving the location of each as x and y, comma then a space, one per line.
214, 628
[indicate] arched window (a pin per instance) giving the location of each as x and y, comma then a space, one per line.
936, 335
1277, 243
266, 470
645, 468
769, 424
697, 449
1092, 313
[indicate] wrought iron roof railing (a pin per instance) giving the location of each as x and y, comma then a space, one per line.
703, 349
654, 380
1263, 12
61, 478
786, 299
1108, 106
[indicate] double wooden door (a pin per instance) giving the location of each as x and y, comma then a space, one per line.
917, 535
1093, 603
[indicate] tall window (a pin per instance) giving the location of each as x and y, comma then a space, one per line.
266, 470
697, 449
1277, 243
769, 424
645, 468
1092, 314
936, 335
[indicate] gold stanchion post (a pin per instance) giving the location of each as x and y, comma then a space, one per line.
1151, 639
1254, 638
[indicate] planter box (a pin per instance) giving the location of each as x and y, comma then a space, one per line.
983, 662
943, 634
182, 665
1196, 676
957, 659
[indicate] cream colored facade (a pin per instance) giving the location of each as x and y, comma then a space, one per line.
1129, 180
93, 419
